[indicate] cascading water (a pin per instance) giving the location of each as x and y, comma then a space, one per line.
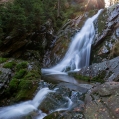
19, 110
78, 54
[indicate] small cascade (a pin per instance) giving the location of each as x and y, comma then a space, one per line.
78, 54
22, 109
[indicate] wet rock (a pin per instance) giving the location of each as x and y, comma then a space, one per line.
64, 101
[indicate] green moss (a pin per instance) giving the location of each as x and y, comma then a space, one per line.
21, 65
20, 73
9, 64
13, 86
98, 78
32, 75
25, 84
3, 59
25, 92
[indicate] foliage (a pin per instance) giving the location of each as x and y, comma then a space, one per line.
26, 16
9, 64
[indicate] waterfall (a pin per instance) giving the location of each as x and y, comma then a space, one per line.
78, 54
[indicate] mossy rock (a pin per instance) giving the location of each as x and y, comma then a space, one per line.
99, 78
21, 65
26, 90
2, 60
9, 64
13, 87
32, 75
20, 73
24, 82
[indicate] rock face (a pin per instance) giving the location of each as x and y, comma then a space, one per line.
106, 43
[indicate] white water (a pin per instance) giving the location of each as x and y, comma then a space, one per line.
22, 109
66, 108
78, 54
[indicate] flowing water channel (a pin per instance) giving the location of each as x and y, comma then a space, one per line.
77, 56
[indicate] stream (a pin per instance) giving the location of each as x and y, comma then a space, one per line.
77, 56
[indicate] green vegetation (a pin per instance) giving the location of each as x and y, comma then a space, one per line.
9, 64
13, 85
22, 82
21, 65
32, 75
99, 78
3, 59
20, 73
26, 16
